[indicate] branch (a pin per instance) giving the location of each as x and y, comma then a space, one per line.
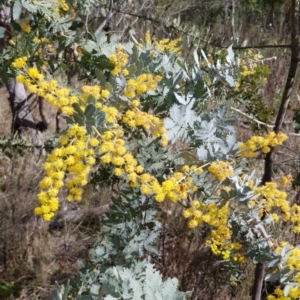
291, 75
252, 118
58, 122
260, 46
294, 134
181, 10
45, 120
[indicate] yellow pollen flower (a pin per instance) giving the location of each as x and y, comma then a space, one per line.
25, 27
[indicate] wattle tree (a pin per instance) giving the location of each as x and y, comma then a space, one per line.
143, 120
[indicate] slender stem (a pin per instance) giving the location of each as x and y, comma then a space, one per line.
252, 118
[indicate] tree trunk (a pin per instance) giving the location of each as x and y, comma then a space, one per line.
267, 177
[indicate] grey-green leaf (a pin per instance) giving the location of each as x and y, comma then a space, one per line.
100, 77
17, 9
90, 111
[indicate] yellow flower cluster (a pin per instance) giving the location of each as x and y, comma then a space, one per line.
165, 44
227, 250
216, 217
114, 152
64, 6
212, 215
19, 63
49, 90
61, 7
120, 60
138, 86
272, 197
142, 84
275, 217
246, 71
112, 114
25, 27
295, 218
69, 165
286, 180
41, 41
291, 262
218, 248
293, 294
35, 83
50, 49
176, 188
249, 67
221, 170
74, 157
265, 143
97, 92
135, 117
61, 98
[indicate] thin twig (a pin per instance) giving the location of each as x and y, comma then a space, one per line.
86, 23
294, 134
252, 118
109, 15
259, 47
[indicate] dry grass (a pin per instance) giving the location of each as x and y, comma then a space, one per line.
185, 256
5, 114
32, 257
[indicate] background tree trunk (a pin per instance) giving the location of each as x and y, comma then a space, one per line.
22, 120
